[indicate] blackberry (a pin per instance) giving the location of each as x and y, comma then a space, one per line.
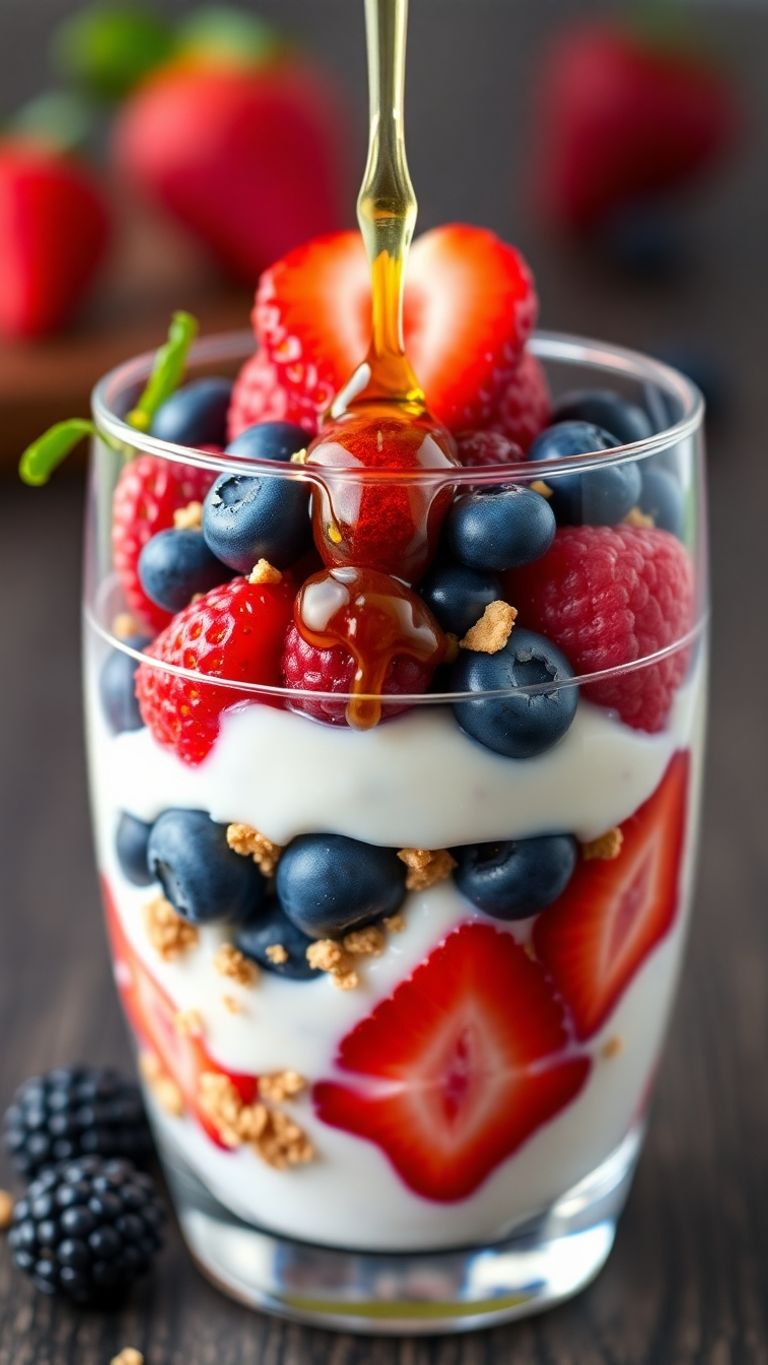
87, 1229
72, 1112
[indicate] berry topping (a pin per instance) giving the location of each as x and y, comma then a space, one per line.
603, 408
609, 596
76, 1111
234, 632
517, 879
661, 497
498, 528
600, 497
458, 596
117, 687
87, 1229
131, 843
459, 1067
615, 912
392, 526
259, 396
251, 517
310, 669
148, 493
479, 448
328, 884
523, 407
195, 415
469, 307
377, 620
277, 946
176, 565
524, 723
202, 877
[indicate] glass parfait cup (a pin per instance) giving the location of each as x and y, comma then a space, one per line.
432, 1126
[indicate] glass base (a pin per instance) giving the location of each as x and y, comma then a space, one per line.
547, 1260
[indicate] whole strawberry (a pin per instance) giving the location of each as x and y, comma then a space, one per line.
54, 230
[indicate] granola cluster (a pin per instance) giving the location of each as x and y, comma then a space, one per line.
272, 1134
170, 935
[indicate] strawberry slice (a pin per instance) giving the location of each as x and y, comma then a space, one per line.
459, 1066
152, 1014
613, 914
470, 306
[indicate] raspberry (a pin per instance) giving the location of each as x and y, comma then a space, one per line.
479, 448
235, 632
332, 670
149, 491
524, 406
608, 595
258, 396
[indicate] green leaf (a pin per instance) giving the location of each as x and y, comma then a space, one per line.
167, 370
60, 119
49, 450
107, 49
223, 33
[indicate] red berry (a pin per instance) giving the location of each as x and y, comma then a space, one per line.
470, 306
311, 669
479, 448
234, 632
609, 595
149, 491
259, 396
523, 407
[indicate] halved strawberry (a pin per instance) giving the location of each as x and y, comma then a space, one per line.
613, 914
459, 1066
470, 306
152, 1014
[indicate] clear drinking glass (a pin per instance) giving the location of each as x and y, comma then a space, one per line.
475, 1105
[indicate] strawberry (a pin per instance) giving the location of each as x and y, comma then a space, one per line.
458, 1067
611, 595
259, 396
148, 492
469, 307
152, 1016
54, 229
613, 913
523, 407
235, 632
621, 117
247, 159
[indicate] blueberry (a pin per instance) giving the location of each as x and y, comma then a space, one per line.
599, 497
458, 596
270, 931
499, 528
200, 874
247, 518
522, 724
195, 415
516, 879
131, 842
328, 884
117, 687
174, 565
602, 408
662, 498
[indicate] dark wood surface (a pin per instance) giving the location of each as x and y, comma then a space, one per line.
688, 1281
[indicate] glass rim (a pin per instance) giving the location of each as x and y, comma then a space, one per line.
562, 347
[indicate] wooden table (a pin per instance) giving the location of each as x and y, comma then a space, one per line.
688, 1281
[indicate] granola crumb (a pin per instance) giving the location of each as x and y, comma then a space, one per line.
188, 1023
394, 924
169, 934
128, 1356
230, 962
124, 625
264, 572
543, 489
369, 942
611, 1048
426, 867
607, 847
277, 954
189, 518
221, 1103
232, 1005
300, 457
271, 1134
637, 517
163, 1087
491, 633
250, 843
326, 955
6, 1209
279, 1086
